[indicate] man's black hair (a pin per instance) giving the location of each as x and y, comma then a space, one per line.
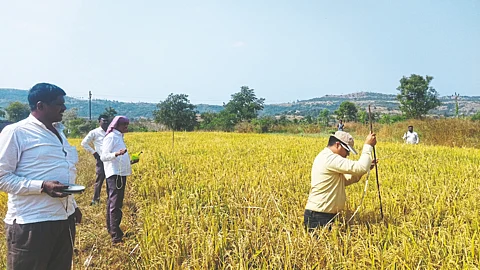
332, 140
102, 116
44, 92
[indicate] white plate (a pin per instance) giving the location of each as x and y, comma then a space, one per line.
74, 189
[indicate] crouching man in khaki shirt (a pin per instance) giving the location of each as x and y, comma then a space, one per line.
331, 173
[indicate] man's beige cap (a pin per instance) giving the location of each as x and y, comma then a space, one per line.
346, 139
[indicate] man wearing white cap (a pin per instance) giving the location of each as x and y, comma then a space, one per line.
331, 173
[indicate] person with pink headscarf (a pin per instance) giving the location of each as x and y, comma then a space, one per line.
117, 168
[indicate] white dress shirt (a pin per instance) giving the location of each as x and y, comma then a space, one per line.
96, 137
30, 154
120, 165
411, 137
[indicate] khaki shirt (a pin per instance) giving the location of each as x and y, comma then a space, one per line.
331, 173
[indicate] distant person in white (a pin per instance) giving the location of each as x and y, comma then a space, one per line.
340, 125
411, 137
36, 165
95, 137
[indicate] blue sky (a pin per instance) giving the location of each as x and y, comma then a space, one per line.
285, 50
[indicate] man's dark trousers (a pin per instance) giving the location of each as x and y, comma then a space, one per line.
100, 172
42, 245
313, 220
116, 192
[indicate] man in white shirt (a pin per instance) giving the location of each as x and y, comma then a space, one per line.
95, 137
331, 173
36, 165
117, 168
411, 137
340, 125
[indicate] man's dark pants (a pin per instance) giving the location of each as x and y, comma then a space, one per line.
116, 191
100, 172
313, 220
41, 245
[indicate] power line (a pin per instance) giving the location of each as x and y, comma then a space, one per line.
90, 105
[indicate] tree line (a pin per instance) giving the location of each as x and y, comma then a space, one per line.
416, 97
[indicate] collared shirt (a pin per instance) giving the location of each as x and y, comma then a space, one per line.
120, 165
29, 155
411, 137
96, 137
330, 174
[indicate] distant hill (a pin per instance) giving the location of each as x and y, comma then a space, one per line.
142, 109
131, 109
383, 103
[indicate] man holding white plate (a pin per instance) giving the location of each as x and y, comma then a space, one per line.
37, 170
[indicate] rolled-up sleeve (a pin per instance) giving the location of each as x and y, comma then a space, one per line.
10, 152
86, 142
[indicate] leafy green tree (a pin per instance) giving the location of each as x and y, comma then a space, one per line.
17, 111
244, 105
308, 119
217, 121
416, 96
69, 115
324, 117
264, 124
206, 121
110, 112
225, 121
78, 127
476, 116
390, 119
137, 126
347, 111
362, 117
176, 113
283, 120
2, 113
74, 126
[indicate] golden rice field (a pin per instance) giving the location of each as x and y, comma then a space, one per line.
236, 201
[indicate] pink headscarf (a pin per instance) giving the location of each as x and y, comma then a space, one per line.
117, 120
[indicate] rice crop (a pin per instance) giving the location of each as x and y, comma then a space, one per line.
236, 201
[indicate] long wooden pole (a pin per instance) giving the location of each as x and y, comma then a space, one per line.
375, 163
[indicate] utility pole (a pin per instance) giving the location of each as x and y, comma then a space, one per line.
90, 105
456, 104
